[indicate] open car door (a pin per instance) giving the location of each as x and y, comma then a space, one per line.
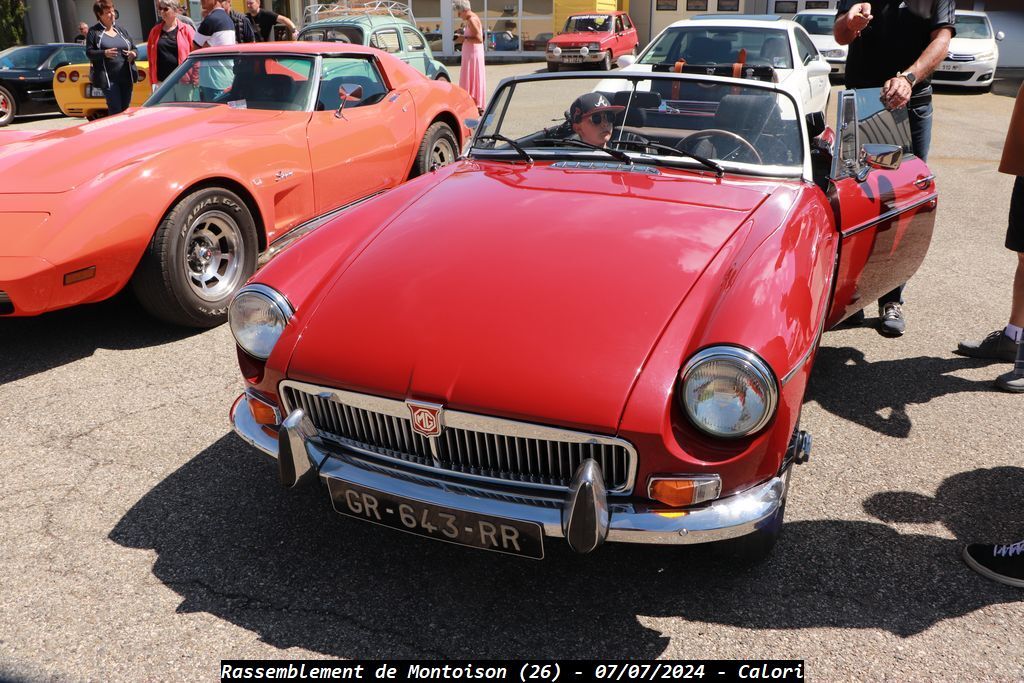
885, 198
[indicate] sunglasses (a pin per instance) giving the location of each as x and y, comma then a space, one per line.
601, 117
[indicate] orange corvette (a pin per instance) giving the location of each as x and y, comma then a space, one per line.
241, 146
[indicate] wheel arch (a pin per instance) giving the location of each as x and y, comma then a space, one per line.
233, 186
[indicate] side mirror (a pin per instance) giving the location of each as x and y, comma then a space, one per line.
819, 67
625, 60
885, 157
1000, 35
352, 93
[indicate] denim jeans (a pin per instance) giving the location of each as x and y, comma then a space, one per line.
921, 140
119, 95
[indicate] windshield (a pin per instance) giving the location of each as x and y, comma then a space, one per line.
816, 24
972, 27
710, 45
660, 120
242, 81
582, 23
29, 57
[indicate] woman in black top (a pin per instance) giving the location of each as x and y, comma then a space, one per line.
112, 53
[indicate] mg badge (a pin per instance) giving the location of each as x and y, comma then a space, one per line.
426, 417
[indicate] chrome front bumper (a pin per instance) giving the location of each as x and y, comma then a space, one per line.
586, 516
574, 58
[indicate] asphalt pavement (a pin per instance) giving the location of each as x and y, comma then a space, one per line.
141, 540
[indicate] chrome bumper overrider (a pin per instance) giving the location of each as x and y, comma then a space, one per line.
586, 516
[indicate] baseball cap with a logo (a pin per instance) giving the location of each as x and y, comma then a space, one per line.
591, 103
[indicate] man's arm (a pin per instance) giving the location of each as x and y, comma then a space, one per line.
848, 26
282, 19
896, 91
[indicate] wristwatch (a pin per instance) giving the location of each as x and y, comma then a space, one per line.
911, 78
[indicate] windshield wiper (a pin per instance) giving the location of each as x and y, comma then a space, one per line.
512, 143
708, 163
616, 154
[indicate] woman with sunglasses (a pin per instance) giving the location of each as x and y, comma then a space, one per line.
112, 56
169, 43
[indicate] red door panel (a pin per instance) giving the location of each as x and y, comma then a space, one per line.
886, 224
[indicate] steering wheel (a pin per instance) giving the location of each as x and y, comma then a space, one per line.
690, 142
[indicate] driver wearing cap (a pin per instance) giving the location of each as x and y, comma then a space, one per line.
592, 116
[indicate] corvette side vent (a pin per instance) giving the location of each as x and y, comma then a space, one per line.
6, 306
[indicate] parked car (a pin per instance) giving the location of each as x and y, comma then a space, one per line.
620, 352
596, 38
777, 43
26, 77
235, 151
77, 97
391, 33
973, 53
539, 43
818, 23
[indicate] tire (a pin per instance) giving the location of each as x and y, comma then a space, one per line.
438, 148
552, 66
606, 63
98, 114
442, 77
180, 278
8, 107
757, 547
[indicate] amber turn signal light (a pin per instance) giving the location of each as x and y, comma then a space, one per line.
683, 491
79, 275
262, 412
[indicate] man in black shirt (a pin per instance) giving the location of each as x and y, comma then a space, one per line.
263, 21
895, 45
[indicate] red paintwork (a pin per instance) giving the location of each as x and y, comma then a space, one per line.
538, 294
620, 43
93, 194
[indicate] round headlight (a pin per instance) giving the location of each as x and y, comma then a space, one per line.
584, 50
727, 391
258, 316
556, 51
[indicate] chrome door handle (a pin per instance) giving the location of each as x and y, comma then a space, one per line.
924, 182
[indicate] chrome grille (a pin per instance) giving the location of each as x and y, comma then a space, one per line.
953, 57
474, 446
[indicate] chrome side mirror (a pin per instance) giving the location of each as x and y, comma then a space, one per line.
884, 157
346, 95
1000, 35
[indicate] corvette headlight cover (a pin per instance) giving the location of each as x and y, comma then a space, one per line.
258, 315
727, 391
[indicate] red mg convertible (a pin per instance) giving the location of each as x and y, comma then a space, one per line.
557, 338
239, 146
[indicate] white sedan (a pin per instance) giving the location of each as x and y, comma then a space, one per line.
713, 41
973, 53
819, 23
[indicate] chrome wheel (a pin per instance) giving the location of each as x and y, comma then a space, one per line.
442, 152
213, 254
7, 107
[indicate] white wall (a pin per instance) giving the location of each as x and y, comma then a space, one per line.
1011, 49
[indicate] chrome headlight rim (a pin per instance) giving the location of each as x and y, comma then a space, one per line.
282, 304
743, 358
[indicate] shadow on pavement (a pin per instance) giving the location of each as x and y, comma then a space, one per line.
876, 394
38, 344
232, 543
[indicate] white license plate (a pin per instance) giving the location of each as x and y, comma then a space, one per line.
573, 59
949, 67
93, 91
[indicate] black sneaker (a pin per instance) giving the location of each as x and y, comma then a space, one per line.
1002, 563
1011, 381
891, 321
996, 346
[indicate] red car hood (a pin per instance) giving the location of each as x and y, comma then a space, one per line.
578, 38
61, 160
516, 292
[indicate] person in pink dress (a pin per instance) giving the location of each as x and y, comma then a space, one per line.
471, 77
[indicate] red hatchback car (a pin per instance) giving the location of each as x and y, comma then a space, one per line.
596, 38
602, 342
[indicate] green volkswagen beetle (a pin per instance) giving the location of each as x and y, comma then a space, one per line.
377, 26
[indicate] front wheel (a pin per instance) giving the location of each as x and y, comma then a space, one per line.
606, 63
8, 107
439, 148
201, 253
